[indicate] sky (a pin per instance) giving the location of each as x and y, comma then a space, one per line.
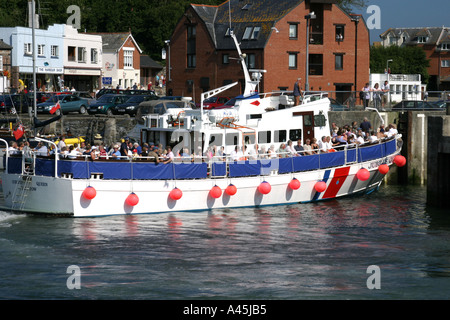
404, 14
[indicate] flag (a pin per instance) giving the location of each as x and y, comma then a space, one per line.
55, 107
18, 133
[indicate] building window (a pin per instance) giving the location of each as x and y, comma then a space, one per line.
28, 48
71, 53
445, 63
225, 58
315, 64
54, 51
339, 61
40, 50
422, 39
81, 54
255, 33
128, 58
191, 47
94, 56
445, 46
293, 60
247, 33
250, 61
340, 32
293, 31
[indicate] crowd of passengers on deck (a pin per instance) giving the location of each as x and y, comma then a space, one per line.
348, 135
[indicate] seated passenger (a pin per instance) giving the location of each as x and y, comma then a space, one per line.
116, 152
299, 148
282, 152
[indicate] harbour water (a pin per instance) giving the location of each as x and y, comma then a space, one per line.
296, 252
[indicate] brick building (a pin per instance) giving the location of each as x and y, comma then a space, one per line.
436, 44
272, 34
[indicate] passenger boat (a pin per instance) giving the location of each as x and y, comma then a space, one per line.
86, 188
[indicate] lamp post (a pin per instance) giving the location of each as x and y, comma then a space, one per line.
167, 42
387, 79
308, 17
356, 20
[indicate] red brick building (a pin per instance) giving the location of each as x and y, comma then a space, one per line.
272, 34
436, 44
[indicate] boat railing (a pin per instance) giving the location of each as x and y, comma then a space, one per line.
203, 166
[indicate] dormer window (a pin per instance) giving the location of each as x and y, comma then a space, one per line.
422, 39
445, 46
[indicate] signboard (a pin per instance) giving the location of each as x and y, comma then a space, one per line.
50, 70
107, 80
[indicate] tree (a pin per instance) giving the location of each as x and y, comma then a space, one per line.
406, 60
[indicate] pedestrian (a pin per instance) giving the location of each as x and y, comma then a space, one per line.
365, 94
298, 91
385, 94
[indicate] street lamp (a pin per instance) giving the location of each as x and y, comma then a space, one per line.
387, 79
167, 42
308, 17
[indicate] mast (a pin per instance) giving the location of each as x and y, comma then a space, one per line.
33, 13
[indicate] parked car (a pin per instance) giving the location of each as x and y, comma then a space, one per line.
85, 95
106, 102
20, 102
131, 105
174, 107
68, 103
337, 106
214, 102
101, 92
414, 105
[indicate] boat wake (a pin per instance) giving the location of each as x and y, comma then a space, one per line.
7, 218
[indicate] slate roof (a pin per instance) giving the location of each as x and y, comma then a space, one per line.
4, 46
244, 13
147, 62
436, 34
114, 41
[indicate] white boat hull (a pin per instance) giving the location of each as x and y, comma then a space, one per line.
64, 196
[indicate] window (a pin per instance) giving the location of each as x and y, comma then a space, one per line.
231, 138
293, 31
28, 48
71, 53
225, 58
445, 46
128, 58
247, 33
255, 33
250, 61
445, 63
251, 33
264, 137
54, 51
293, 60
40, 50
81, 54
422, 39
1, 63
339, 61
94, 56
280, 136
316, 64
340, 32
216, 140
191, 47
295, 134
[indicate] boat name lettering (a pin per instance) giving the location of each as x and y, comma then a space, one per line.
42, 184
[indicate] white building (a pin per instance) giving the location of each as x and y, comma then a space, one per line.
82, 60
121, 60
402, 86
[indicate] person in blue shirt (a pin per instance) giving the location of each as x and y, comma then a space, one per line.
298, 91
116, 153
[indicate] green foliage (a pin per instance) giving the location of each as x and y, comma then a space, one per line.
150, 21
406, 60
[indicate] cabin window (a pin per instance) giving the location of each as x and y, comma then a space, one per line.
280, 136
319, 120
295, 134
249, 138
231, 139
216, 140
264, 137
307, 120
